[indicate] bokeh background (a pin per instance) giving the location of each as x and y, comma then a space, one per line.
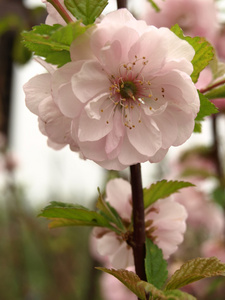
38, 263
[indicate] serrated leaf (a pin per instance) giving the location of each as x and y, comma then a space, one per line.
156, 294
110, 213
206, 109
194, 270
86, 10
163, 189
62, 214
155, 265
204, 51
53, 42
216, 93
129, 279
154, 5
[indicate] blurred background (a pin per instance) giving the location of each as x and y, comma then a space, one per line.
37, 263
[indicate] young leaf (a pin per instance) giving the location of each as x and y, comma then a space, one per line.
204, 51
216, 93
206, 109
109, 212
53, 42
72, 215
86, 10
154, 5
195, 270
155, 294
155, 265
129, 279
163, 189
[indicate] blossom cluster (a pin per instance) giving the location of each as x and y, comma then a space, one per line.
126, 96
165, 224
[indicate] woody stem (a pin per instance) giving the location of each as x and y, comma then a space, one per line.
138, 221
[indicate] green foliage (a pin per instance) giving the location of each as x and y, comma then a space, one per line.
155, 294
129, 279
216, 93
218, 196
162, 189
217, 67
62, 214
86, 10
206, 109
154, 5
109, 212
204, 52
155, 265
53, 42
195, 270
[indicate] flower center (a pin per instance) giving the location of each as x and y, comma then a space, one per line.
128, 90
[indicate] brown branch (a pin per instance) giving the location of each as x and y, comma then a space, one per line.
138, 221
121, 4
209, 88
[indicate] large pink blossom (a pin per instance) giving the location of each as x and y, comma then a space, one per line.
127, 92
165, 225
195, 17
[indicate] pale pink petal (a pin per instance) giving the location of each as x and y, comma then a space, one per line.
57, 126
37, 89
90, 81
123, 257
119, 195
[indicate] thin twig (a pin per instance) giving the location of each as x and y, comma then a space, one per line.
209, 88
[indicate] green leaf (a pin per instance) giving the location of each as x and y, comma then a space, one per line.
86, 10
195, 270
218, 196
110, 213
155, 265
206, 109
163, 189
53, 42
62, 214
156, 294
129, 279
154, 5
217, 67
204, 51
216, 93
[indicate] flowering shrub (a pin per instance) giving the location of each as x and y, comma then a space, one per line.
165, 223
121, 92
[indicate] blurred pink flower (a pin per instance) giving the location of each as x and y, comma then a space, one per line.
214, 247
165, 225
195, 17
206, 79
113, 289
203, 214
127, 92
53, 16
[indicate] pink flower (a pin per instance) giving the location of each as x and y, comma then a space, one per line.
39, 100
203, 214
113, 289
53, 16
165, 225
195, 17
127, 92
206, 79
